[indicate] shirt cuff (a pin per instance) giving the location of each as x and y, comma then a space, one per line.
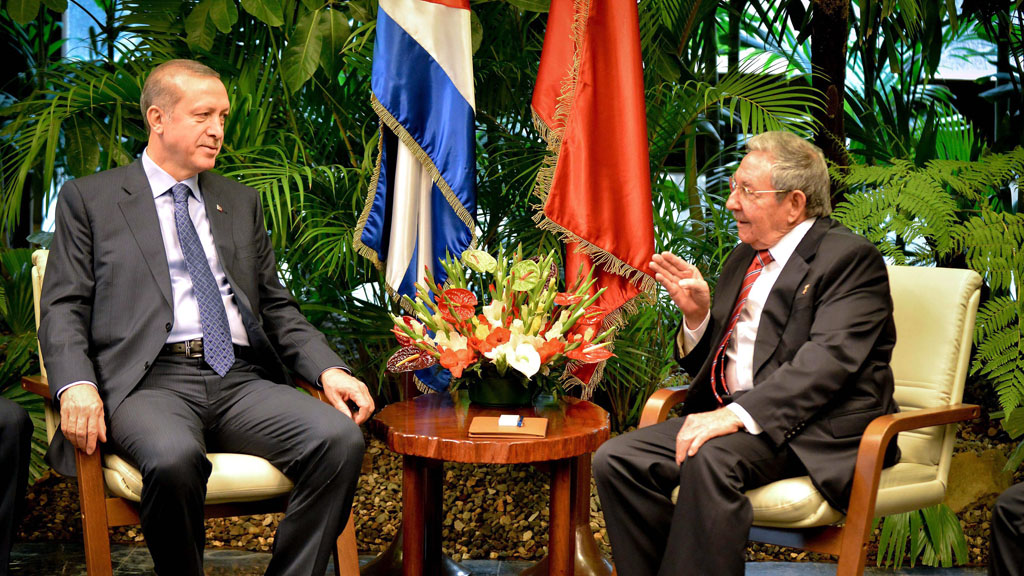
319, 379
744, 417
61, 391
687, 339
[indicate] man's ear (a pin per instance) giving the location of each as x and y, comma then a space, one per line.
798, 206
155, 117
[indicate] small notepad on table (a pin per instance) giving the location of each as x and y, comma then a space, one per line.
494, 427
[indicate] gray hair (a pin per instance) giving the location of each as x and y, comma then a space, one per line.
160, 91
797, 165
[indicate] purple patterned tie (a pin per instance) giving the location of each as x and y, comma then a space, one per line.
761, 259
217, 348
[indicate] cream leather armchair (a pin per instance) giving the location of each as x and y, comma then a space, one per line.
934, 310
109, 488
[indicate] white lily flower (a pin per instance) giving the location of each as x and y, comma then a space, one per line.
493, 312
555, 332
517, 327
451, 340
501, 351
525, 359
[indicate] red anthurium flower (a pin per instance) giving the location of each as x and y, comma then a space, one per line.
588, 354
567, 299
410, 358
550, 349
457, 360
463, 301
593, 316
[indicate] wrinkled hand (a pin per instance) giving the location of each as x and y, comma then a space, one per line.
81, 417
685, 285
341, 388
703, 426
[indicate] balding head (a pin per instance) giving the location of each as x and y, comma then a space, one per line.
161, 88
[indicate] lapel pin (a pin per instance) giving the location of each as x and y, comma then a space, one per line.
806, 286
219, 209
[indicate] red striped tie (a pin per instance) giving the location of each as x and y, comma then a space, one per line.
761, 259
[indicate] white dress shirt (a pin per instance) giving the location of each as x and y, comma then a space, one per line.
739, 366
186, 310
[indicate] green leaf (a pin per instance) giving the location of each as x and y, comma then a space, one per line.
83, 148
312, 5
56, 5
302, 56
23, 11
224, 14
476, 30
267, 11
201, 31
362, 10
334, 30
1014, 422
532, 5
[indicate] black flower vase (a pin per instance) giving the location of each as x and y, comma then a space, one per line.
508, 390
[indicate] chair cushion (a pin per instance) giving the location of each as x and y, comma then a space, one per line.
235, 478
796, 503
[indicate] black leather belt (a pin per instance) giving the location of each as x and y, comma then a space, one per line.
189, 348
194, 349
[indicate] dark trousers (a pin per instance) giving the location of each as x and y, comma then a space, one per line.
15, 447
183, 409
705, 532
1006, 548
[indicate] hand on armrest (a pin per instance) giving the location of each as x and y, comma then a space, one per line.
81, 417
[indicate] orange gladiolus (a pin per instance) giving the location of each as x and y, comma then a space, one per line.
457, 360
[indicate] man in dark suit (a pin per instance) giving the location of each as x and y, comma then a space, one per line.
166, 334
15, 450
790, 363
1006, 546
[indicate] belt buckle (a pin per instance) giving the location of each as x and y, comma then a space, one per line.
190, 352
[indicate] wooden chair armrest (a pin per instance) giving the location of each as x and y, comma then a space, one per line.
871, 456
660, 403
308, 387
36, 385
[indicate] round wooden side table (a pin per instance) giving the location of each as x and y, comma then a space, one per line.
434, 428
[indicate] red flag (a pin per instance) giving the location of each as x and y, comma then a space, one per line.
595, 186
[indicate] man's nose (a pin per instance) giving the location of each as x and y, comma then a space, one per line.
733, 201
215, 128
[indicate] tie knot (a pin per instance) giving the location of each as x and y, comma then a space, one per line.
181, 192
765, 257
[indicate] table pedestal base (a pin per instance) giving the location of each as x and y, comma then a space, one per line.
389, 562
588, 561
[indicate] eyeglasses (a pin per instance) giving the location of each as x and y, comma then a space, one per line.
749, 194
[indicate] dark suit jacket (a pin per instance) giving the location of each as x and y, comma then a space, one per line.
821, 357
106, 304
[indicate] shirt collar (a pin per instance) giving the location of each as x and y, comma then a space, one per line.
785, 247
161, 182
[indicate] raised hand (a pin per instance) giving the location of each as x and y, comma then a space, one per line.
685, 285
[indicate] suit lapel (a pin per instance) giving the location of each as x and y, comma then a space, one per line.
139, 212
219, 212
777, 308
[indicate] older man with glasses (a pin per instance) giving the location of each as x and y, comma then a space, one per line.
789, 364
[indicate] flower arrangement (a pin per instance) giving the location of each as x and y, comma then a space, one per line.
528, 326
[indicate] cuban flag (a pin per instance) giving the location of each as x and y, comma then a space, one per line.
422, 201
